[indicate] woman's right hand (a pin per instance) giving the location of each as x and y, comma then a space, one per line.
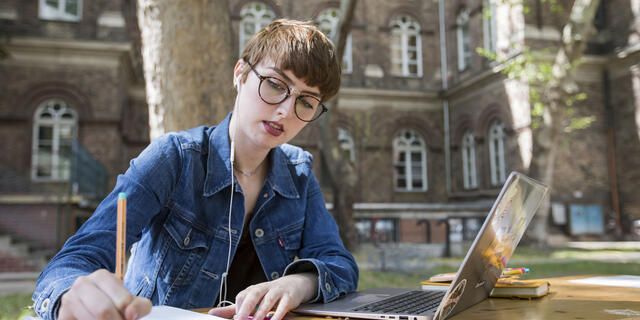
101, 295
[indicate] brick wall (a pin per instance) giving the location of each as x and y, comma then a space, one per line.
10, 263
36, 224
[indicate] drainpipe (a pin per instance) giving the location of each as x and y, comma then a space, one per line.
611, 150
445, 101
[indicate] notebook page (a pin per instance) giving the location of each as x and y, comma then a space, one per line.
167, 313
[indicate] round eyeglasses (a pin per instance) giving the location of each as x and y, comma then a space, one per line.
274, 91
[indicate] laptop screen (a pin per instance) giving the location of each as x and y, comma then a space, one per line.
497, 239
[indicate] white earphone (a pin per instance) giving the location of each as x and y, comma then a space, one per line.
222, 294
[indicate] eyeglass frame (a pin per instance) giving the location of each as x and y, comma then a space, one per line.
287, 95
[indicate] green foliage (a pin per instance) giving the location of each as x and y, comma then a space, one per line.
536, 69
554, 6
579, 123
15, 306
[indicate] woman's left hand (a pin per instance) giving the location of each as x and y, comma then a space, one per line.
281, 295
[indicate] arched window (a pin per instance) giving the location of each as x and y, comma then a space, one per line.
496, 153
489, 24
463, 39
470, 177
346, 143
255, 15
406, 47
410, 161
54, 129
328, 24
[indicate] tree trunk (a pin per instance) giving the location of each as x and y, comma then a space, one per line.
341, 173
575, 36
187, 62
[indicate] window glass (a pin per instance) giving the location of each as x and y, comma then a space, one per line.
328, 23
469, 174
64, 10
489, 24
463, 39
411, 161
496, 153
255, 16
406, 47
54, 130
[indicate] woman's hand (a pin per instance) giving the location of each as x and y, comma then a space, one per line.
281, 295
101, 295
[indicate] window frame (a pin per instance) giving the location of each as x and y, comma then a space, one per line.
463, 39
497, 163
404, 30
469, 166
56, 123
259, 21
47, 12
327, 21
402, 144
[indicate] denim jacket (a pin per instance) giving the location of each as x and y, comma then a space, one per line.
178, 192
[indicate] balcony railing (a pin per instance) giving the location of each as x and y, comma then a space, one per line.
88, 176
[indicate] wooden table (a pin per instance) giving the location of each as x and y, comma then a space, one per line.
566, 300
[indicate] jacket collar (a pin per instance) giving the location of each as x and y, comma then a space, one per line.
219, 165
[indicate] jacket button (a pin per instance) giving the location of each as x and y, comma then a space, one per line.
327, 286
266, 195
259, 233
44, 306
274, 275
186, 241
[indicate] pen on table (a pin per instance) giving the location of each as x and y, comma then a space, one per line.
121, 234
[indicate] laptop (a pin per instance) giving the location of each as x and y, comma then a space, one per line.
492, 248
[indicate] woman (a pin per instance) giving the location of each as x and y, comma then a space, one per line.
197, 237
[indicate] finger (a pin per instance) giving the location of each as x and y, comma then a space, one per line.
248, 301
284, 306
95, 300
71, 308
138, 308
224, 312
268, 302
112, 286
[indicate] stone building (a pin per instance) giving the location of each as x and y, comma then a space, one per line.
427, 148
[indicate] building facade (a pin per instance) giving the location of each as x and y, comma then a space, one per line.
433, 127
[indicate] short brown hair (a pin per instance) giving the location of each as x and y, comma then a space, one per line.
299, 47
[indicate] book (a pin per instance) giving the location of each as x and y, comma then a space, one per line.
504, 288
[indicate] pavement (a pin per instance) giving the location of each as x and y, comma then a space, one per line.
17, 282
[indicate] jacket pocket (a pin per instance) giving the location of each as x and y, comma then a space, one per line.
186, 248
290, 238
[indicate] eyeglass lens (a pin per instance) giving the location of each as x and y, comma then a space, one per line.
274, 91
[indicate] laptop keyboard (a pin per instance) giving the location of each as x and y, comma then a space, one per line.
412, 302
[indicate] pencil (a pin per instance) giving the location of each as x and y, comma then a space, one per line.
121, 234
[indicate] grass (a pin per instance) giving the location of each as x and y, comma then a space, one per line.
544, 263
15, 306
